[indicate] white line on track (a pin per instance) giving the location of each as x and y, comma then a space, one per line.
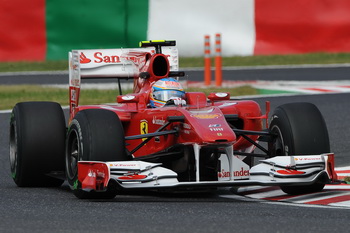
304, 205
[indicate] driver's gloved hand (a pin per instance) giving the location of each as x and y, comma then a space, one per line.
175, 101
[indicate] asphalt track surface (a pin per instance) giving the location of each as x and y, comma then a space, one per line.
57, 210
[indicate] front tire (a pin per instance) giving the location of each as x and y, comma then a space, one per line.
37, 138
93, 135
300, 130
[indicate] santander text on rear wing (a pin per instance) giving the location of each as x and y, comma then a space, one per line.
114, 63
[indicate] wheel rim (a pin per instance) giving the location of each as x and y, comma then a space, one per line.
278, 148
13, 151
73, 153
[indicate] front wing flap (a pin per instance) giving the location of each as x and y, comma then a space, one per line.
280, 170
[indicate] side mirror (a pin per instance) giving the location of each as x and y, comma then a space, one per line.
127, 99
219, 96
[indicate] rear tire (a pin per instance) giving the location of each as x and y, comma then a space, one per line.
37, 138
300, 130
94, 135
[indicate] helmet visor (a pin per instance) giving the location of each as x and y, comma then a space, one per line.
165, 95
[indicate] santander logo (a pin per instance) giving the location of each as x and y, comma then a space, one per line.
84, 59
240, 173
99, 58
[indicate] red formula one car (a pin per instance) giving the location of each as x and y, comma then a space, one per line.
160, 137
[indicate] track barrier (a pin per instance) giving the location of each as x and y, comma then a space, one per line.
218, 60
207, 61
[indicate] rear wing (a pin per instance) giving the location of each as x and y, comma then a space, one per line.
113, 63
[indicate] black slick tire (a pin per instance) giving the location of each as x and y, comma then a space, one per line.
93, 135
300, 129
37, 143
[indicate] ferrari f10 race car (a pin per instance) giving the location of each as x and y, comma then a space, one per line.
162, 138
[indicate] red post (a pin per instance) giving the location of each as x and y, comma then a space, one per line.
207, 62
218, 60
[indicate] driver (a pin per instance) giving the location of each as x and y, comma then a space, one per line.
167, 91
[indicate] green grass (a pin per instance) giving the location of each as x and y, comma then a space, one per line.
33, 66
297, 59
311, 58
12, 94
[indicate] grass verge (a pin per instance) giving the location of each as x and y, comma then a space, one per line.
12, 94
263, 60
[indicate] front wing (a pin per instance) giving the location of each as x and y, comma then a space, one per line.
276, 171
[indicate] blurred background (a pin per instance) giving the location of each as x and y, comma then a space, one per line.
40, 30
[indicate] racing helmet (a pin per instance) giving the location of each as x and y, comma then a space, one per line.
163, 90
